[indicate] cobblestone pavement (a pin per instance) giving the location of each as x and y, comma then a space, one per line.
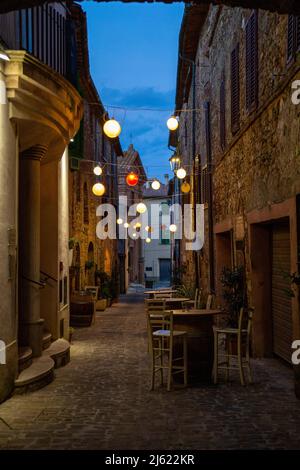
101, 400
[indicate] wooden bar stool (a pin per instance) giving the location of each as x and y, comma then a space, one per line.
243, 346
161, 343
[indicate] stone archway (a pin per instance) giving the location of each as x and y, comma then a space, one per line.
288, 6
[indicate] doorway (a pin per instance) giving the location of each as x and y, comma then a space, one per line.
164, 270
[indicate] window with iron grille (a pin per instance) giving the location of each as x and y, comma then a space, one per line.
222, 113
252, 62
293, 37
235, 89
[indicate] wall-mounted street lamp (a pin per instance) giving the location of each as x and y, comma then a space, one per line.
174, 162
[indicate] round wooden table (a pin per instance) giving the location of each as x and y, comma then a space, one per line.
198, 323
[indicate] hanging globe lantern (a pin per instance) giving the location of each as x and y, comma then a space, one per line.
98, 189
181, 173
155, 185
141, 208
137, 225
148, 240
173, 228
172, 123
97, 170
132, 179
126, 225
185, 187
112, 128
119, 221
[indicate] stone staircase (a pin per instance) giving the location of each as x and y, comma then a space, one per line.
35, 373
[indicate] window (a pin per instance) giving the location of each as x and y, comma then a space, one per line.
235, 89
252, 62
222, 112
293, 37
148, 268
85, 204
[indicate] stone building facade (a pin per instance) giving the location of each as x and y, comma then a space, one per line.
247, 146
130, 249
40, 113
90, 147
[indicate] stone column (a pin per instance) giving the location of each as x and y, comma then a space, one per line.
30, 324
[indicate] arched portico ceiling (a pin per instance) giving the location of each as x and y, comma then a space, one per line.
286, 6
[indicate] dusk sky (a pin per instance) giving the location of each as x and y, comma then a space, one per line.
133, 60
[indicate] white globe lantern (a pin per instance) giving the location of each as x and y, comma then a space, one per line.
173, 228
97, 170
112, 128
155, 185
119, 221
181, 173
98, 189
172, 123
141, 208
148, 240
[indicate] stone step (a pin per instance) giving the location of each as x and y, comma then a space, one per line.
25, 358
46, 341
39, 374
59, 351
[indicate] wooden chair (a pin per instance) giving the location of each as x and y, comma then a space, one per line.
161, 341
209, 301
163, 295
194, 303
242, 336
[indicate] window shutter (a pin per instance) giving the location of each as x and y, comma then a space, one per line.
235, 89
222, 113
252, 62
290, 38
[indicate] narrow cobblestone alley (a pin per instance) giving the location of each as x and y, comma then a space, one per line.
101, 400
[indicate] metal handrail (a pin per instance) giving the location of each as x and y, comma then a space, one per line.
48, 276
41, 284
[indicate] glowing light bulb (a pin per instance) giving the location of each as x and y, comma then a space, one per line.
119, 221
126, 225
173, 228
98, 189
141, 208
134, 235
155, 185
148, 240
181, 173
137, 225
172, 123
97, 170
112, 128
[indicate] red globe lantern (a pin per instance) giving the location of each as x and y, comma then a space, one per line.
132, 179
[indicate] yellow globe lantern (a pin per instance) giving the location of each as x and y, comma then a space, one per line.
173, 228
155, 185
172, 123
185, 187
98, 189
141, 208
97, 170
181, 173
137, 225
119, 221
112, 128
148, 240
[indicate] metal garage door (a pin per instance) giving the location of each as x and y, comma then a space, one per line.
281, 303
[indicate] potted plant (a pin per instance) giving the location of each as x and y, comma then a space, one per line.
89, 265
